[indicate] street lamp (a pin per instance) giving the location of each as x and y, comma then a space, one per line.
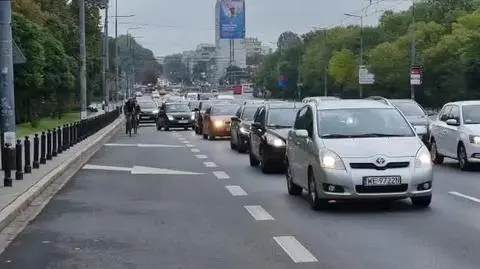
325, 72
130, 54
413, 52
117, 61
361, 46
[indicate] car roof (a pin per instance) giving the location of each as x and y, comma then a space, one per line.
274, 105
351, 103
464, 103
176, 103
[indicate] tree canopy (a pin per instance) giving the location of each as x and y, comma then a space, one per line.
446, 35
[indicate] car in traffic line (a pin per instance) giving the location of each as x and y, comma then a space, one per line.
174, 115
240, 127
216, 121
200, 111
268, 134
456, 134
149, 111
357, 149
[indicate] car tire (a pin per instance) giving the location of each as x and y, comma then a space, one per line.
436, 157
253, 161
315, 202
264, 165
293, 189
159, 128
210, 136
205, 136
166, 128
196, 130
232, 145
186, 128
423, 201
463, 162
241, 148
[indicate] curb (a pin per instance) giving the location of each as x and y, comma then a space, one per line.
68, 168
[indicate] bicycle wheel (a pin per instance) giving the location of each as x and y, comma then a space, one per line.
129, 127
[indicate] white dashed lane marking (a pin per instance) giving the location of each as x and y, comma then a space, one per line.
186, 142
236, 190
221, 175
258, 212
473, 199
210, 164
195, 150
201, 156
189, 145
294, 249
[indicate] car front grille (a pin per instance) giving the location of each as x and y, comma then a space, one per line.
373, 166
181, 118
381, 189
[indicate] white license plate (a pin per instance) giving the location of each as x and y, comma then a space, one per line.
145, 117
382, 181
183, 121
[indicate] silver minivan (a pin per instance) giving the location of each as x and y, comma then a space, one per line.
356, 149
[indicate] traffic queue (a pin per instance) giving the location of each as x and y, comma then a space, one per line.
337, 149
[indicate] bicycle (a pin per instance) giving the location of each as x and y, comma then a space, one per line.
130, 124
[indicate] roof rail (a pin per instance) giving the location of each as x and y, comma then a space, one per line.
379, 98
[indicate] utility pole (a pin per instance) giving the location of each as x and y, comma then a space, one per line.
116, 53
7, 96
360, 86
413, 52
325, 73
83, 62
105, 58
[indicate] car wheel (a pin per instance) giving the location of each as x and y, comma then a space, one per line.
315, 202
462, 158
293, 189
210, 136
186, 128
232, 145
196, 130
266, 167
437, 158
166, 128
423, 201
205, 136
253, 161
159, 127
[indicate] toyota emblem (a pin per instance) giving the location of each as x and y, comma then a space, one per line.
380, 161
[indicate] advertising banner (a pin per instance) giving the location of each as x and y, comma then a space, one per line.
232, 19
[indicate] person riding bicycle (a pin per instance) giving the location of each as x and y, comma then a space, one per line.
130, 109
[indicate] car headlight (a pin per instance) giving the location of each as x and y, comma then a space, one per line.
192, 117
244, 130
170, 117
330, 160
218, 124
423, 159
474, 139
155, 111
274, 141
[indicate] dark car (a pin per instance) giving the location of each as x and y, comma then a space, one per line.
240, 127
216, 120
202, 107
269, 132
149, 111
175, 115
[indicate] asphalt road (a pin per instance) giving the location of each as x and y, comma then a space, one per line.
232, 216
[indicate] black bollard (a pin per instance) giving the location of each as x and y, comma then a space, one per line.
7, 180
54, 142
59, 140
27, 168
72, 134
43, 160
66, 144
49, 144
19, 161
36, 142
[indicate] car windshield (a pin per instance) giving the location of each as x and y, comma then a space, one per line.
248, 113
471, 114
224, 110
409, 108
177, 108
281, 117
147, 105
193, 105
362, 122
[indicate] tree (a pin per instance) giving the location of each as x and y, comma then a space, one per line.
342, 68
254, 59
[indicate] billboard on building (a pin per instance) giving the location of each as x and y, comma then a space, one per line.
232, 19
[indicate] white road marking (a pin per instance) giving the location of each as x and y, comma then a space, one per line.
201, 156
195, 150
145, 145
106, 168
140, 170
258, 212
210, 164
236, 190
181, 138
221, 175
465, 196
185, 142
189, 145
297, 252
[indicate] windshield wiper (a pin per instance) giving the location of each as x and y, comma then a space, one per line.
336, 136
278, 126
379, 135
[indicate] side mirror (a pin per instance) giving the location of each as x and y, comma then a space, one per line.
196, 110
256, 125
452, 122
301, 133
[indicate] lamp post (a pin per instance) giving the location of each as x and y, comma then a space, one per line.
360, 87
129, 46
413, 52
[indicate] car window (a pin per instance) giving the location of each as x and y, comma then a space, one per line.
238, 113
177, 108
248, 113
309, 121
193, 105
300, 119
362, 122
471, 114
261, 116
147, 105
409, 108
281, 117
444, 113
224, 110
454, 113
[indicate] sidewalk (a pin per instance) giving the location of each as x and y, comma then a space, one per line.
18, 197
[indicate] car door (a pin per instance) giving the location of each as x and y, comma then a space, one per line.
295, 156
235, 125
206, 120
304, 145
451, 136
439, 130
257, 133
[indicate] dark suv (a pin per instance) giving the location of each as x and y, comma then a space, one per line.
175, 115
240, 127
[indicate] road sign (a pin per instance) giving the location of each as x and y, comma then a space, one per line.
416, 75
364, 76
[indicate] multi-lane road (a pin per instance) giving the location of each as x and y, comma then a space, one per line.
173, 200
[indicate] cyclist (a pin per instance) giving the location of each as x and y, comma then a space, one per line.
137, 111
129, 110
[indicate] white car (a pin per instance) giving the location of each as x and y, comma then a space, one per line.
455, 134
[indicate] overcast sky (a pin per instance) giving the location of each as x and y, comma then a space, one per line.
169, 26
